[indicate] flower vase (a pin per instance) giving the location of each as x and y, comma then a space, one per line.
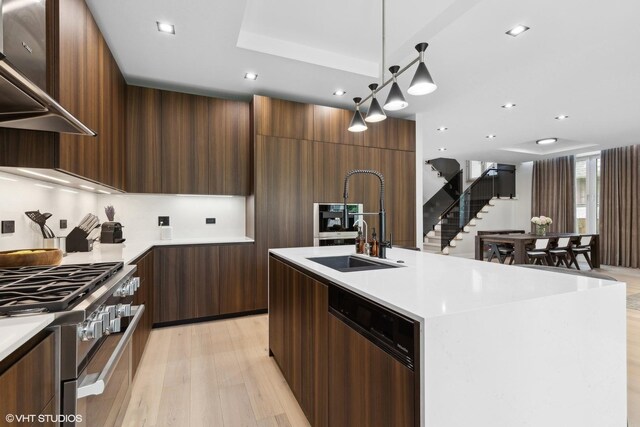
541, 230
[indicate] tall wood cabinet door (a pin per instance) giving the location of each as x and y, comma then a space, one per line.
107, 112
143, 139
331, 163
237, 278
277, 278
368, 386
185, 145
174, 294
290, 192
230, 162
206, 281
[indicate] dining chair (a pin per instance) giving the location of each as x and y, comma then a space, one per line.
583, 247
539, 254
562, 252
502, 252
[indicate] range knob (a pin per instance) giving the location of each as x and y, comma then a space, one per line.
124, 310
114, 325
90, 330
134, 284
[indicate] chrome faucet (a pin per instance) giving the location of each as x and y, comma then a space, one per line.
382, 244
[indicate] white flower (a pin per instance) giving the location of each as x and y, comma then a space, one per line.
535, 220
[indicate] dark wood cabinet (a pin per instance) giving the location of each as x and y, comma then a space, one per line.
185, 146
28, 383
298, 310
331, 125
144, 295
367, 386
143, 137
392, 134
230, 154
238, 291
206, 281
84, 77
284, 119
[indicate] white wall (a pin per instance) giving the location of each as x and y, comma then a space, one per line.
137, 212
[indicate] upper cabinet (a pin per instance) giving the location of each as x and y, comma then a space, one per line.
392, 134
283, 119
85, 79
331, 125
178, 143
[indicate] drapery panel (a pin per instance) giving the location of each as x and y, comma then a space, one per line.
553, 192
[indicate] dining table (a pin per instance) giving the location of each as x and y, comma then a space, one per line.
520, 241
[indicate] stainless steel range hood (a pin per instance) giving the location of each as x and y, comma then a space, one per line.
24, 103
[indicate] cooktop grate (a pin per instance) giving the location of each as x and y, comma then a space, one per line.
50, 289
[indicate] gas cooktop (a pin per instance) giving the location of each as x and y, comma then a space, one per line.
50, 289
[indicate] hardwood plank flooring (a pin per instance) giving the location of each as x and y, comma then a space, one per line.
220, 374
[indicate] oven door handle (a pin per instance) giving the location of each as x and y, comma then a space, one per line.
95, 384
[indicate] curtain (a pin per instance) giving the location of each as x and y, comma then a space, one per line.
619, 207
553, 192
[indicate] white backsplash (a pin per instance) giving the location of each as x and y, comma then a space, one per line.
137, 212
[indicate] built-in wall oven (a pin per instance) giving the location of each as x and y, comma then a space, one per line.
328, 224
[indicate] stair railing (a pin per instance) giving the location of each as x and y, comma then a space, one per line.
498, 181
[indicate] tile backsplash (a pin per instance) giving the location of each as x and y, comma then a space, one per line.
137, 212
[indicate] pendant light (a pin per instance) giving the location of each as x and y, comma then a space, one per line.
395, 99
357, 122
422, 82
375, 113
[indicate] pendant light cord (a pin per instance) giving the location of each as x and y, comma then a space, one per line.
383, 43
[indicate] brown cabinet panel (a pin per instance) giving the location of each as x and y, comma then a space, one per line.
331, 124
285, 119
230, 160
331, 162
27, 386
237, 278
144, 295
174, 296
206, 282
298, 310
392, 134
143, 139
185, 147
367, 386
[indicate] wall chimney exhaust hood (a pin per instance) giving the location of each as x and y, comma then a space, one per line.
24, 103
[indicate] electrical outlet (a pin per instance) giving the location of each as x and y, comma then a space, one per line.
8, 227
164, 220
63, 224
210, 220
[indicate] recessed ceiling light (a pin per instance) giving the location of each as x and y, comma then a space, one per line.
41, 175
68, 191
339, 92
251, 76
517, 30
562, 117
546, 141
442, 149
103, 192
43, 186
86, 187
164, 27
509, 105
442, 129
491, 136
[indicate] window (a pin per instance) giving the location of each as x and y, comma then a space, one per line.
587, 193
475, 168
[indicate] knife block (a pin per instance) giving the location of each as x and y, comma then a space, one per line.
77, 241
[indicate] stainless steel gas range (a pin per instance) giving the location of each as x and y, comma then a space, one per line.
94, 325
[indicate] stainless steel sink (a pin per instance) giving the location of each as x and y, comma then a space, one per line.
348, 263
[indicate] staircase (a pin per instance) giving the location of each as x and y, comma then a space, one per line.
458, 218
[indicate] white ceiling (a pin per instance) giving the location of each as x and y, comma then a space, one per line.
580, 58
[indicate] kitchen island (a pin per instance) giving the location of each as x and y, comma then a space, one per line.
496, 345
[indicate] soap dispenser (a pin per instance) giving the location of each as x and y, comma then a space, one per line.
373, 244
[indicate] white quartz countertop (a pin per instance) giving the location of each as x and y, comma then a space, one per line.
15, 331
132, 249
431, 285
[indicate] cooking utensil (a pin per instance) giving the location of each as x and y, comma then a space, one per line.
40, 219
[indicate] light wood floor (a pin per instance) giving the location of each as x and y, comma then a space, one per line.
219, 374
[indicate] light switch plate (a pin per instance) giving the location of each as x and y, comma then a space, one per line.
210, 220
8, 227
164, 220
63, 224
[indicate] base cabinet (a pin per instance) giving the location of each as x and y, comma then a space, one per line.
298, 310
28, 380
144, 295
